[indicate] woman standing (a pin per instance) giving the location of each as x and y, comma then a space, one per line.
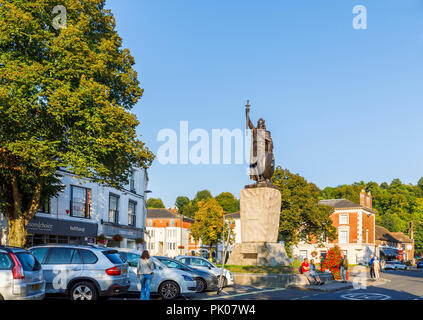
145, 270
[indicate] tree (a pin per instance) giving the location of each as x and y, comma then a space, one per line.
302, 218
155, 203
65, 101
208, 224
228, 202
202, 195
181, 202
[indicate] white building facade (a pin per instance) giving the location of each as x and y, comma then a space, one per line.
85, 210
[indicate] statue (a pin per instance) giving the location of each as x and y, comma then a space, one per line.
262, 160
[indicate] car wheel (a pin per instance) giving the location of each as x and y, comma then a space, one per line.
169, 290
224, 281
83, 291
201, 285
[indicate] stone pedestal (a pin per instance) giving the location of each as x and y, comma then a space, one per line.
259, 215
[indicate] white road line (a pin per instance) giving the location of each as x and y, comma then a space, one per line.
245, 294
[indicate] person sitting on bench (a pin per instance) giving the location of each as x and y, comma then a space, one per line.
305, 269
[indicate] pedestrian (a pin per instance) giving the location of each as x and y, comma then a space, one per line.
145, 273
343, 267
305, 269
376, 268
371, 265
313, 272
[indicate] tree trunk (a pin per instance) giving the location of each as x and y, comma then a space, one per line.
17, 232
17, 218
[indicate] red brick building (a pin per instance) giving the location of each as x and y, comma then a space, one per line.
355, 228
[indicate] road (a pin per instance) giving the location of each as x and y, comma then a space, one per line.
401, 285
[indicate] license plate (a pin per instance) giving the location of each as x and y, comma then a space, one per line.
36, 287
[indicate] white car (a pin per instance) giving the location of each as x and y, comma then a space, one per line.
204, 264
167, 282
395, 265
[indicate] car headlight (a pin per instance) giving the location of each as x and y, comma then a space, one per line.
187, 278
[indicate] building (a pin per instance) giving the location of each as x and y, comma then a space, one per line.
169, 233
84, 210
355, 228
393, 245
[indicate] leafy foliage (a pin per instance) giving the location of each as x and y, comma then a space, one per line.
228, 202
208, 224
155, 203
397, 204
302, 218
65, 101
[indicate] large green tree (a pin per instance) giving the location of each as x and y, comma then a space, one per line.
65, 100
302, 218
181, 202
155, 203
228, 202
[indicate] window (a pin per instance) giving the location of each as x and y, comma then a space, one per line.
132, 213
60, 256
343, 236
186, 261
80, 202
113, 209
201, 263
88, 257
114, 257
132, 259
5, 262
172, 222
40, 254
44, 206
303, 254
132, 181
343, 219
149, 223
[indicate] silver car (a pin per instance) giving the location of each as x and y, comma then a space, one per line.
21, 275
82, 272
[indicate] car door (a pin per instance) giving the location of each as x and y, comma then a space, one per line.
132, 259
159, 276
61, 265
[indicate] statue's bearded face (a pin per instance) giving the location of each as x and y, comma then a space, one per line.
261, 124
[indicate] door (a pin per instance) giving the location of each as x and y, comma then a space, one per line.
132, 260
160, 248
61, 265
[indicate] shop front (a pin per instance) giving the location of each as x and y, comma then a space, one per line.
42, 230
130, 236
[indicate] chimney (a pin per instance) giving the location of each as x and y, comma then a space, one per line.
369, 202
363, 198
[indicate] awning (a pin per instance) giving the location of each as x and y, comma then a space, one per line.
389, 252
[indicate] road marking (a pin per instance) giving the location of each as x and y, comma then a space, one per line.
365, 296
245, 294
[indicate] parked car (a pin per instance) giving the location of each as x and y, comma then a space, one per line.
206, 280
420, 264
167, 282
395, 265
82, 272
204, 264
21, 275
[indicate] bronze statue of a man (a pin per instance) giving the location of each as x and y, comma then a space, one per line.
262, 160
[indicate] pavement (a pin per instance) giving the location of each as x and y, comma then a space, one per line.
393, 285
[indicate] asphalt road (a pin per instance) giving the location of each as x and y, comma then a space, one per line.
401, 285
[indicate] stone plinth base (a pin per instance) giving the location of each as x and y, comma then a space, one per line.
258, 254
260, 214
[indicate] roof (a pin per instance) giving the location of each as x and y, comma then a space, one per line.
343, 204
154, 213
234, 215
383, 234
401, 237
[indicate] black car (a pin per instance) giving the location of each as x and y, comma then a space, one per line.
205, 280
420, 264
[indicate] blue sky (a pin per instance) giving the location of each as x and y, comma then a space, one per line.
343, 105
